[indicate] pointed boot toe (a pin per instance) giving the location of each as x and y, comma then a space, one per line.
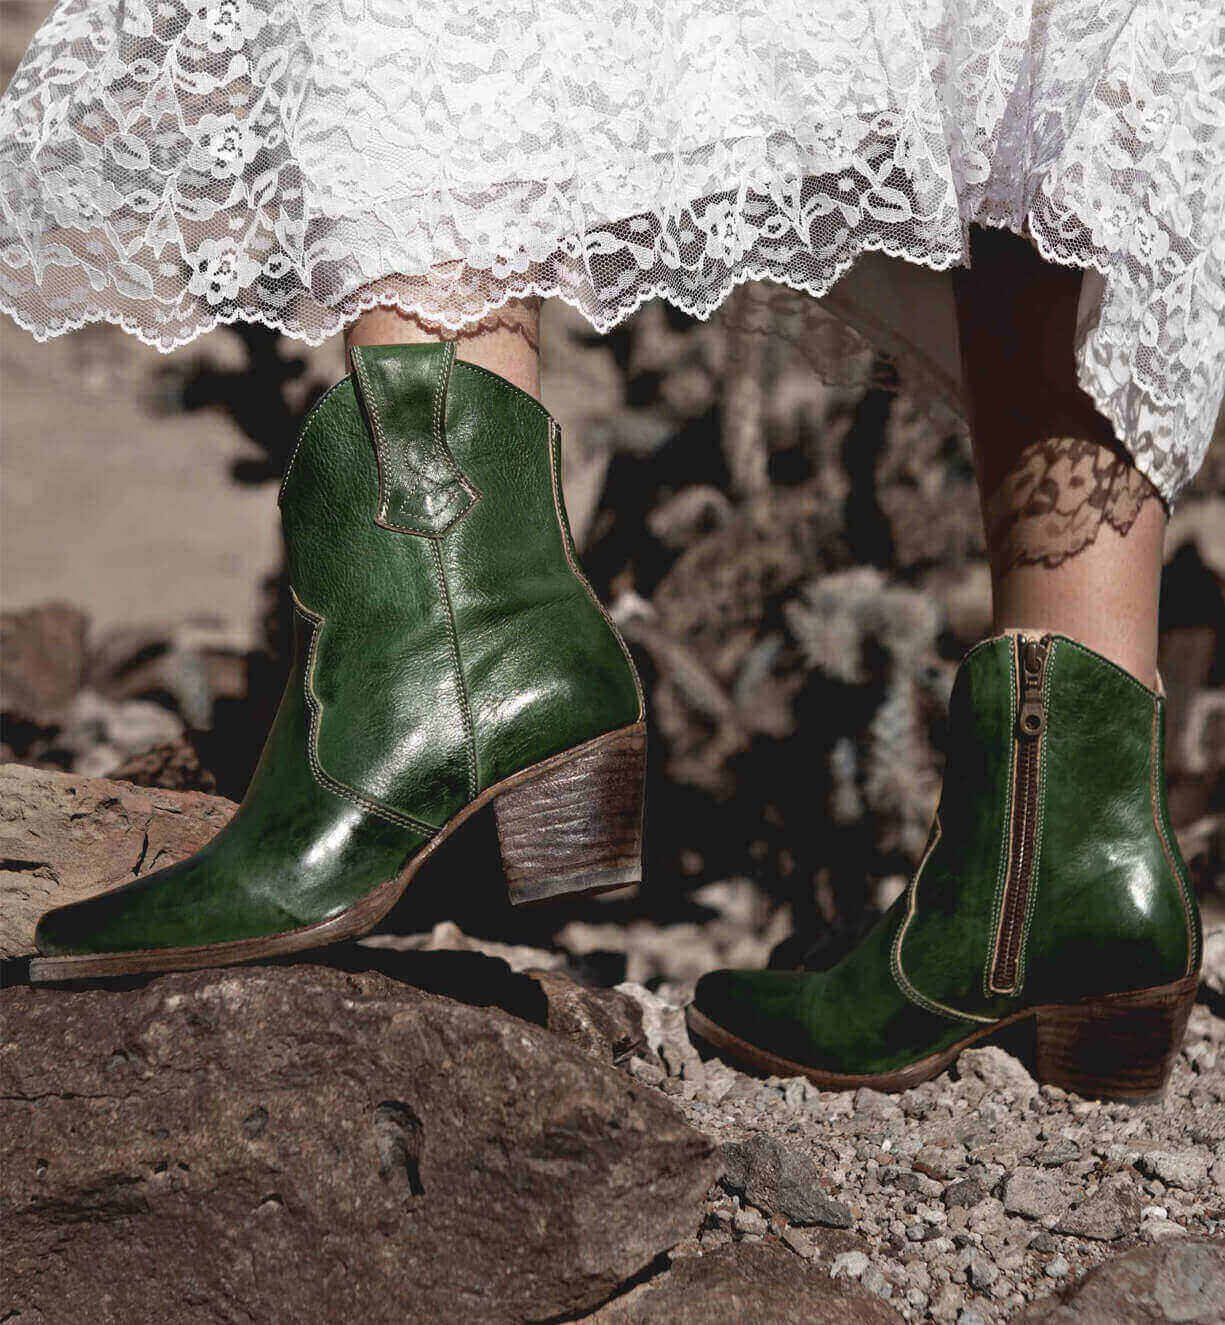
754, 1008
1051, 892
68, 929
448, 654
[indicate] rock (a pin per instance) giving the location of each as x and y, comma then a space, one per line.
947, 1304
1176, 1168
780, 1180
663, 1025
982, 1272
850, 1263
824, 1244
652, 1074
998, 1071
876, 1104
602, 1022
1213, 973
985, 1215
42, 661
446, 936
100, 734
966, 1191
718, 1080
1057, 1268
1111, 1212
1034, 1194
1056, 1154
64, 837
939, 1162
873, 1279
758, 1282
192, 663
800, 1241
321, 1145
904, 1179
175, 766
1181, 1281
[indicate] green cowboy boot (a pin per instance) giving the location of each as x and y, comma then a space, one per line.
448, 652
1051, 888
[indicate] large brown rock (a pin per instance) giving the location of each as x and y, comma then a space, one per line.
758, 1282
299, 1143
1180, 1280
65, 837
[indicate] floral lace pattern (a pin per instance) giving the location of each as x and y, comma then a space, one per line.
171, 164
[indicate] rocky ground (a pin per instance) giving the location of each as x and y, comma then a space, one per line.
970, 1198
528, 1141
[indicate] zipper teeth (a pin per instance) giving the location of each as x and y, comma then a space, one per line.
1022, 841
1016, 889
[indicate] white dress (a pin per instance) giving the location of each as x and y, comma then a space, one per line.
171, 164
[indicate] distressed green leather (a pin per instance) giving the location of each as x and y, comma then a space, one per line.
1109, 909
445, 640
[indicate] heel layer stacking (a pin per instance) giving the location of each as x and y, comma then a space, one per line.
576, 827
1119, 1046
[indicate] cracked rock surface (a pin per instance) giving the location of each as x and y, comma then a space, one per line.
62, 835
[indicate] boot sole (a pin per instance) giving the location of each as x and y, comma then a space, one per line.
1110, 1046
568, 826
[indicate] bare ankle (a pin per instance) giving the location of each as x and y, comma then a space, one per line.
506, 342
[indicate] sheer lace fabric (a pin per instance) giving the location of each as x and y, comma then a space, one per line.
171, 164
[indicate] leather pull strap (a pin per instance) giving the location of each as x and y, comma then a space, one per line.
403, 391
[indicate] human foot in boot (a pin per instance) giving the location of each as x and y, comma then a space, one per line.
448, 652
1051, 889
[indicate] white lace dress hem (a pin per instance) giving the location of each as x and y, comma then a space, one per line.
173, 165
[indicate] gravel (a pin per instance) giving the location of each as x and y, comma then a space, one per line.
961, 1201
973, 1195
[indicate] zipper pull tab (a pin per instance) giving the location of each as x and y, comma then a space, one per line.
1031, 717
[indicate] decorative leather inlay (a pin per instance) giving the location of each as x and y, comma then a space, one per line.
315, 623
421, 488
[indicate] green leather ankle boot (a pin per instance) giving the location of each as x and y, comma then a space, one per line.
448, 652
1051, 889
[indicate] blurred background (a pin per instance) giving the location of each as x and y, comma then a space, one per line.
798, 568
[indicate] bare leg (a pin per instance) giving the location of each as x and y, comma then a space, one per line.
1074, 532
507, 342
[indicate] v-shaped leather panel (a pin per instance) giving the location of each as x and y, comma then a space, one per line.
421, 488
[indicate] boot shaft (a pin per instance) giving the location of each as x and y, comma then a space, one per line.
1052, 872
450, 638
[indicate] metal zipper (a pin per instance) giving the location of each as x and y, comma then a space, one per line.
1023, 829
